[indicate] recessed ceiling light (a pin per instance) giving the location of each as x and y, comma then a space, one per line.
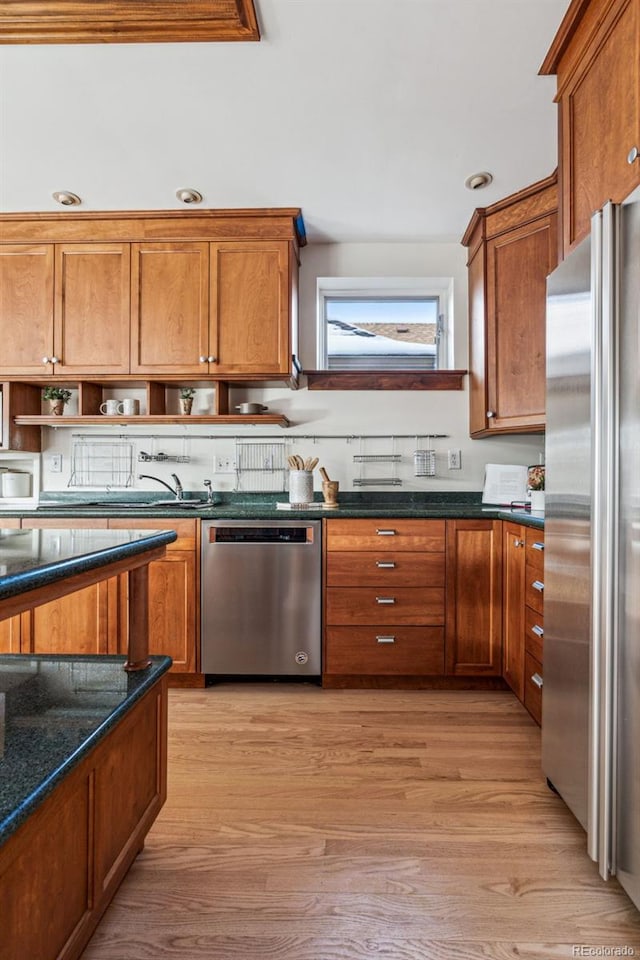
66, 198
478, 180
187, 195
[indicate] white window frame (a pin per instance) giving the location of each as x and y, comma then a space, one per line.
362, 287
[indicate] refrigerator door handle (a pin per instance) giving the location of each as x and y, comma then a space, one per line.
604, 561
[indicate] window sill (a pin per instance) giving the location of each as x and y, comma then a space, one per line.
385, 379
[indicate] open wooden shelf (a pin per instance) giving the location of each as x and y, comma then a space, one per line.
47, 420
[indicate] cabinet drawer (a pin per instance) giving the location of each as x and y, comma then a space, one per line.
534, 633
186, 530
373, 605
533, 687
387, 535
534, 589
364, 569
400, 650
534, 550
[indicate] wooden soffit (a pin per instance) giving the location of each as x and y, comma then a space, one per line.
126, 21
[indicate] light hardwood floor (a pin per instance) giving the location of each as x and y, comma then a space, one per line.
308, 824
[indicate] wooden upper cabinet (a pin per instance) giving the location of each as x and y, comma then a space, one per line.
250, 328
596, 56
512, 249
26, 308
170, 308
91, 321
150, 294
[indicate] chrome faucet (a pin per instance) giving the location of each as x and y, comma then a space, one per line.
178, 492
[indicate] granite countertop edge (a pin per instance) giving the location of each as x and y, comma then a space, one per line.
53, 571
257, 510
144, 680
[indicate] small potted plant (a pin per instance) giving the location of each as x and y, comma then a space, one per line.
535, 482
186, 399
57, 397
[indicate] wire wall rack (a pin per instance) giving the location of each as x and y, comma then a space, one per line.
261, 467
101, 463
368, 461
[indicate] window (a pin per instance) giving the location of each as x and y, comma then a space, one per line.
383, 324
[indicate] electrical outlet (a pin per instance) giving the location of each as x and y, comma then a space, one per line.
55, 463
224, 465
454, 459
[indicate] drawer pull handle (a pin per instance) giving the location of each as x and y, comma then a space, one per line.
518, 543
385, 639
385, 564
537, 679
385, 599
386, 533
538, 545
539, 632
538, 585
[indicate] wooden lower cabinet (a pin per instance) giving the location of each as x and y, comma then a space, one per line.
94, 620
523, 614
474, 598
81, 623
385, 598
513, 544
173, 590
60, 870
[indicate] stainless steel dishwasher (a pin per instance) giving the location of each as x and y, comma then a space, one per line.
261, 598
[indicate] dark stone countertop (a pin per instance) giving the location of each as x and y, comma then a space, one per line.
53, 711
32, 558
255, 506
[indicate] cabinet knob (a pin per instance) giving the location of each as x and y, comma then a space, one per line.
490, 414
203, 359
54, 360
212, 359
633, 155
518, 543
46, 360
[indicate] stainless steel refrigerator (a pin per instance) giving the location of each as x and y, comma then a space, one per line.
591, 703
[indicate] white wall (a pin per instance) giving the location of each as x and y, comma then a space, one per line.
414, 413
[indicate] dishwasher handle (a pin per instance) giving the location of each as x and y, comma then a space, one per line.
251, 535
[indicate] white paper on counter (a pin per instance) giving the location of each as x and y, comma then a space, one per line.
504, 483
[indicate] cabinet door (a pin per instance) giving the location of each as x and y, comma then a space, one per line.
173, 590
474, 598
77, 623
172, 610
513, 631
91, 324
600, 121
170, 308
26, 308
518, 263
250, 308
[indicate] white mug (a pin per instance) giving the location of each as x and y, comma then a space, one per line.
129, 407
110, 408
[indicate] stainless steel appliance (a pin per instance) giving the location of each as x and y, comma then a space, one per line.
261, 598
591, 704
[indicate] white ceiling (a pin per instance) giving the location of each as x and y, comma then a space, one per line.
368, 114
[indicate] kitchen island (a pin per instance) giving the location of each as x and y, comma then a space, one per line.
82, 746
